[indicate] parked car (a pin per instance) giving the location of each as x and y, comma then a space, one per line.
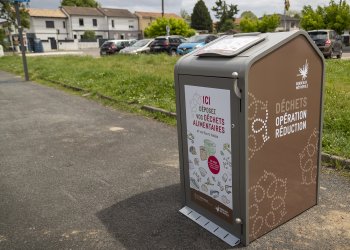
111, 47
166, 44
141, 46
328, 41
194, 43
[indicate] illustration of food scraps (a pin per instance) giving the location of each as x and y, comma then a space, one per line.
218, 187
225, 177
227, 162
194, 183
197, 177
203, 153
191, 165
202, 171
190, 137
226, 148
196, 161
193, 150
208, 149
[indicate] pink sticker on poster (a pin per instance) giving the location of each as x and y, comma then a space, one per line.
213, 164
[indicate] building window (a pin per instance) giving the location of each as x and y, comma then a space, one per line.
131, 26
94, 22
64, 24
112, 23
81, 21
50, 24
75, 36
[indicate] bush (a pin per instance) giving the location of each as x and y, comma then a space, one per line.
89, 34
177, 27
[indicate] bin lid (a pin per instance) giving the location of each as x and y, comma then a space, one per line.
230, 46
220, 60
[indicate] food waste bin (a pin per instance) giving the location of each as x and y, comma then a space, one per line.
249, 126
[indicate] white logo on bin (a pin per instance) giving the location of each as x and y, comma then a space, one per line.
303, 72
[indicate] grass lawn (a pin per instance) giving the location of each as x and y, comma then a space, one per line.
336, 128
149, 80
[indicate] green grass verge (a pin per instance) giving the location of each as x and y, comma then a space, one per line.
149, 80
145, 79
336, 127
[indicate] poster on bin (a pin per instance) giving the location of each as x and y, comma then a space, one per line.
208, 119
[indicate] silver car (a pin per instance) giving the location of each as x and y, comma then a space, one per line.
141, 46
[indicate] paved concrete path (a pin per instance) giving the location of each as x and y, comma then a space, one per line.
78, 175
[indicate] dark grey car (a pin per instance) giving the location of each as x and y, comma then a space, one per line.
328, 41
166, 44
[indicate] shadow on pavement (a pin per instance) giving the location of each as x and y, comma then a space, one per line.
151, 221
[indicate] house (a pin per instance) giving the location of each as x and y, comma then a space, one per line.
81, 19
288, 23
47, 25
146, 18
121, 23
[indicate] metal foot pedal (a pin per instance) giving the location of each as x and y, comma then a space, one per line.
210, 226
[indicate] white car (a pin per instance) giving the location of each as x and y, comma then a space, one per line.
141, 46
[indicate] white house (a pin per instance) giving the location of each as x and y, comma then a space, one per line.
288, 23
81, 19
122, 24
47, 25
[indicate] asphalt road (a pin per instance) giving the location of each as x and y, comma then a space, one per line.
77, 175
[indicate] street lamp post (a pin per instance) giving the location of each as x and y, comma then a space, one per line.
162, 8
20, 31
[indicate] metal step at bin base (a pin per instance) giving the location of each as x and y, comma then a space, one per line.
210, 226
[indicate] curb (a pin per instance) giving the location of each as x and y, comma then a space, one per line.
84, 90
328, 159
335, 161
159, 110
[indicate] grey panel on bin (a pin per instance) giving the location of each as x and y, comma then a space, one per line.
210, 226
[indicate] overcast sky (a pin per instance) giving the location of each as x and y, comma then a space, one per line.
259, 7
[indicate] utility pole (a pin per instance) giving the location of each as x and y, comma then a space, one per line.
162, 8
284, 20
20, 31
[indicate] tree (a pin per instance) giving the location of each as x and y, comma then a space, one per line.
227, 25
89, 34
177, 27
7, 11
3, 38
224, 12
184, 14
80, 3
248, 14
248, 24
335, 16
200, 18
311, 19
268, 23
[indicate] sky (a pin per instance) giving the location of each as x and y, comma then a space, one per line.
258, 7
